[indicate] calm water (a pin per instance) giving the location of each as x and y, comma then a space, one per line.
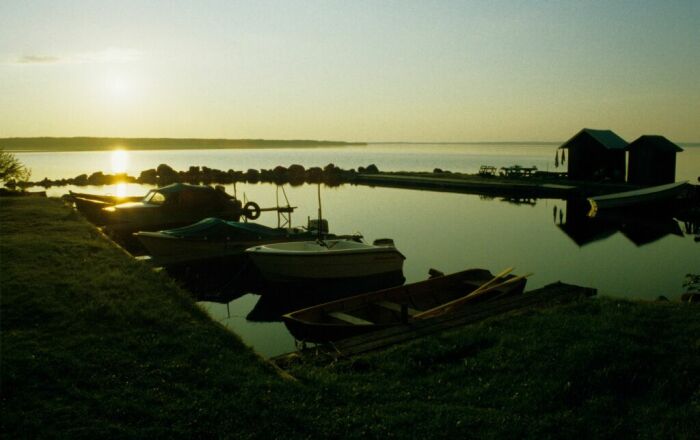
388, 157
450, 232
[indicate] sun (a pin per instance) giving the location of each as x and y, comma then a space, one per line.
119, 160
118, 87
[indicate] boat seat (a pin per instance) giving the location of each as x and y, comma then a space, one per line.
394, 307
349, 318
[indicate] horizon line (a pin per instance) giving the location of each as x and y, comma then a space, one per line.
521, 142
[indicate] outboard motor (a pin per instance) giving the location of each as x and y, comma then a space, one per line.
388, 242
316, 224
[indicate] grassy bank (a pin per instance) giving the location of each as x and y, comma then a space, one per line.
95, 344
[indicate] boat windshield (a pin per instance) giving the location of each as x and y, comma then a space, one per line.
155, 198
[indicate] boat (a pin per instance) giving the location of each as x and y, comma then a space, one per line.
106, 198
327, 260
91, 205
639, 197
214, 238
396, 306
175, 205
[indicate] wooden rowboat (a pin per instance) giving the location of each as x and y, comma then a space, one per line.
396, 306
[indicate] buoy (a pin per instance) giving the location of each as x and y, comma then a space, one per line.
251, 210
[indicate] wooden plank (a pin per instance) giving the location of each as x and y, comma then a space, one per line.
394, 307
349, 318
557, 292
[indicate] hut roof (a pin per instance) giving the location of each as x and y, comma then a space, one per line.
607, 138
656, 142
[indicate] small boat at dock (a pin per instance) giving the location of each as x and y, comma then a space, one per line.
326, 260
396, 306
106, 198
639, 197
214, 238
175, 205
92, 205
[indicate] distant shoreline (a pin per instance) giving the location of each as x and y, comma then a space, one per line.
78, 144
64, 144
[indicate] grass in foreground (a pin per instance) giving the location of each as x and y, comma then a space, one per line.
94, 344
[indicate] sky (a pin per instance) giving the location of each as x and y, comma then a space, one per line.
441, 71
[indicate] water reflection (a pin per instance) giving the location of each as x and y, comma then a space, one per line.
639, 227
120, 189
527, 201
119, 161
223, 280
220, 280
552, 238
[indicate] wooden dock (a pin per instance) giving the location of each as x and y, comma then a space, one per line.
556, 293
490, 186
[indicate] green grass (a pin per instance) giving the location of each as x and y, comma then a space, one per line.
93, 344
598, 369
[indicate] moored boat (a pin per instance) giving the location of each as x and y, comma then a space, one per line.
175, 205
638, 197
336, 259
92, 205
397, 306
213, 238
110, 199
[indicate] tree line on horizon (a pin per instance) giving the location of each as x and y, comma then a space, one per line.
110, 143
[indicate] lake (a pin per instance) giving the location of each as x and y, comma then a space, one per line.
633, 258
466, 158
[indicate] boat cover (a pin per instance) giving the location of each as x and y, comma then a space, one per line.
216, 228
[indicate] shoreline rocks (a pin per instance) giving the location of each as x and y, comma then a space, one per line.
164, 174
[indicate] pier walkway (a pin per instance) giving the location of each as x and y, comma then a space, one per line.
490, 186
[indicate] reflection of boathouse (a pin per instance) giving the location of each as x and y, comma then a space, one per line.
652, 160
596, 155
639, 229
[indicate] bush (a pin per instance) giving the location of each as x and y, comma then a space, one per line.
11, 169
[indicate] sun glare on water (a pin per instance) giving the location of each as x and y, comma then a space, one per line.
119, 160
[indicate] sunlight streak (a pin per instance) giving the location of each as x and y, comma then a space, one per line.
119, 160
120, 189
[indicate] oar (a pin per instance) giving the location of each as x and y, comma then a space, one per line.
444, 308
429, 312
493, 280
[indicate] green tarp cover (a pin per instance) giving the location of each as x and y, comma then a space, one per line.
216, 228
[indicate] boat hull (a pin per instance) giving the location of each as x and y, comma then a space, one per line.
637, 198
319, 267
169, 250
390, 307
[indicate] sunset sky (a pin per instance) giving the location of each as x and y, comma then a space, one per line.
350, 70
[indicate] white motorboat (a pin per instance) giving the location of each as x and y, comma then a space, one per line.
326, 260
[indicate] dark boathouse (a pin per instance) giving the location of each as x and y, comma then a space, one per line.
652, 160
596, 155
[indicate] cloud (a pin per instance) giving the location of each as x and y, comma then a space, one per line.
38, 59
109, 55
